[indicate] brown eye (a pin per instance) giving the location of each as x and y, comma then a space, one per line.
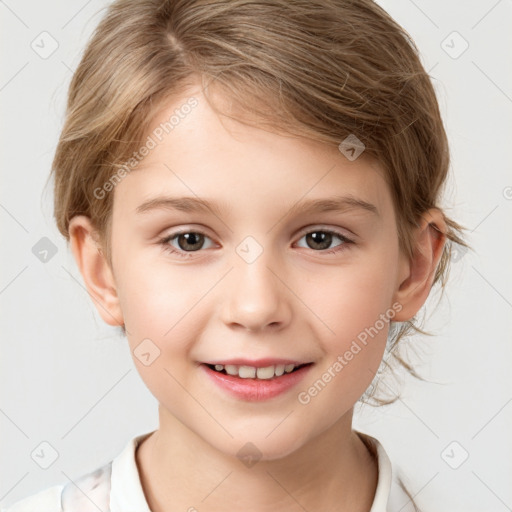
190, 241
321, 239
185, 243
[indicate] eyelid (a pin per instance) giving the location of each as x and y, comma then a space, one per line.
346, 233
187, 229
174, 234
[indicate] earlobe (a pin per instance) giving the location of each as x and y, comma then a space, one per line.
419, 271
95, 269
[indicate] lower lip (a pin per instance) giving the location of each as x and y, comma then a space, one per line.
256, 390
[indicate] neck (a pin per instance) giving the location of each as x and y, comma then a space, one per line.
180, 471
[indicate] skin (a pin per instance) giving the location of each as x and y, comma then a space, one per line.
294, 301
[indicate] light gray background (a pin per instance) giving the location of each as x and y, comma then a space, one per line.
68, 379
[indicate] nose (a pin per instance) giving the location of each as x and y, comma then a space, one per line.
255, 297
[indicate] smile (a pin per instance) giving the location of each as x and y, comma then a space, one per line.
256, 383
252, 372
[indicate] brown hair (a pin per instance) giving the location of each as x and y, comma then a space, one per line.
323, 69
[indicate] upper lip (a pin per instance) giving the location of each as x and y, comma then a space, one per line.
257, 363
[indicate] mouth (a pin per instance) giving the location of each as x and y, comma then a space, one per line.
256, 372
257, 381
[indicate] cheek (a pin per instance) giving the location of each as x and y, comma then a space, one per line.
351, 298
155, 297
160, 306
354, 305
358, 314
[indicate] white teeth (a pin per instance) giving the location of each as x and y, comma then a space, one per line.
265, 373
251, 372
247, 372
231, 369
279, 370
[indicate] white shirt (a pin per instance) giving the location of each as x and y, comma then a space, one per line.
116, 487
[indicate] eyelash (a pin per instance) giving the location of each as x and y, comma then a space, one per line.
164, 242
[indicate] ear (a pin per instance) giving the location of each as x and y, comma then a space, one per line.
95, 269
417, 273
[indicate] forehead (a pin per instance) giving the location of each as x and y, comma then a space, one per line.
196, 152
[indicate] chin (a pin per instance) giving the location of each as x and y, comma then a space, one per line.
253, 444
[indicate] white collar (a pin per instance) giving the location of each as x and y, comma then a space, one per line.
382, 492
127, 495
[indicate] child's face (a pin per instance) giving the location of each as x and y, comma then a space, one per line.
255, 287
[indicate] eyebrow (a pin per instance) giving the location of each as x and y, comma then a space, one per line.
195, 204
334, 204
184, 204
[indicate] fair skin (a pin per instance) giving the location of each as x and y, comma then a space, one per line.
295, 301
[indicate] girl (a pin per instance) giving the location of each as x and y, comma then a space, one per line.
251, 192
